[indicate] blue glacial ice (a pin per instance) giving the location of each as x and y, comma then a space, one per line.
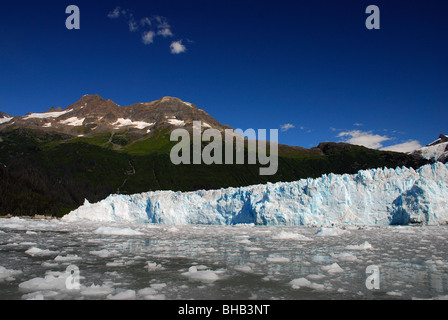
371, 197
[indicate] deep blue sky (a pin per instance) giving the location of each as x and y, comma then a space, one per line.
251, 64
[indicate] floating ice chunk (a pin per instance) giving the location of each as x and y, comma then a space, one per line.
153, 266
123, 295
51, 281
97, 290
28, 243
277, 259
69, 257
244, 269
334, 268
394, 293
315, 276
318, 258
440, 263
330, 232
8, 274
117, 231
47, 264
158, 286
405, 229
305, 283
299, 283
283, 235
252, 249
442, 297
155, 297
33, 296
434, 262
364, 246
345, 256
147, 291
172, 229
206, 276
104, 253
116, 263
150, 294
201, 267
37, 252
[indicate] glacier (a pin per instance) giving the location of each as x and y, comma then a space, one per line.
382, 196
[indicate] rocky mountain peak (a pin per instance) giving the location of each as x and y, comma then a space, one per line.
4, 115
93, 114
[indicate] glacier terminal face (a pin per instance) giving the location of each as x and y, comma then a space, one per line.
371, 197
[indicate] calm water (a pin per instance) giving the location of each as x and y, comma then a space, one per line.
56, 260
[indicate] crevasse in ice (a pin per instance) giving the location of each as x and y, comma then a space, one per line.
371, 197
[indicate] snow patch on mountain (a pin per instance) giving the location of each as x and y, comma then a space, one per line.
176, 122
73, 121
129, 123
55, 114
434, 152
370, 197
5, 120
437, 150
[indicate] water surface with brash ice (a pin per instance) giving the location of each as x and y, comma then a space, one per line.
52, 259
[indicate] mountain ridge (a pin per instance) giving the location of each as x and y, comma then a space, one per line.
95, 114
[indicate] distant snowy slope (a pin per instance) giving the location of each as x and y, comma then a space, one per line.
4, 118
371, 197
437, 150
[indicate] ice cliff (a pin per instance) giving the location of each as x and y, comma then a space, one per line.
370, 197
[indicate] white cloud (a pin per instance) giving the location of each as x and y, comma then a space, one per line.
145, 22
357, 124
151, 27
362, 138
409, 146
115, 13
162, 22
133, 26
286, 127
166, 32
177, 47
148, 37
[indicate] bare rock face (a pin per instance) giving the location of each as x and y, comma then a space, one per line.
4, 115
93, 114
